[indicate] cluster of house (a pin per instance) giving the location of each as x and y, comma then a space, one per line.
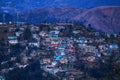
56, 52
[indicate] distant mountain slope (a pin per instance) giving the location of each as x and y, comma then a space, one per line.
51, 14
106, 18
103, 18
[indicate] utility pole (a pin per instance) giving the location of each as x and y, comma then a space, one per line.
14, 20
17, 18
3, 18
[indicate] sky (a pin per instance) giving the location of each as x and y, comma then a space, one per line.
24, 5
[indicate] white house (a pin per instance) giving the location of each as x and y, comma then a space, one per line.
34, 42
12, 40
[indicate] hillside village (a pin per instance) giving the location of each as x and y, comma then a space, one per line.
66, 51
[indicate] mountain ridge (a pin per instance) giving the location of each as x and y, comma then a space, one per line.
104, 18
